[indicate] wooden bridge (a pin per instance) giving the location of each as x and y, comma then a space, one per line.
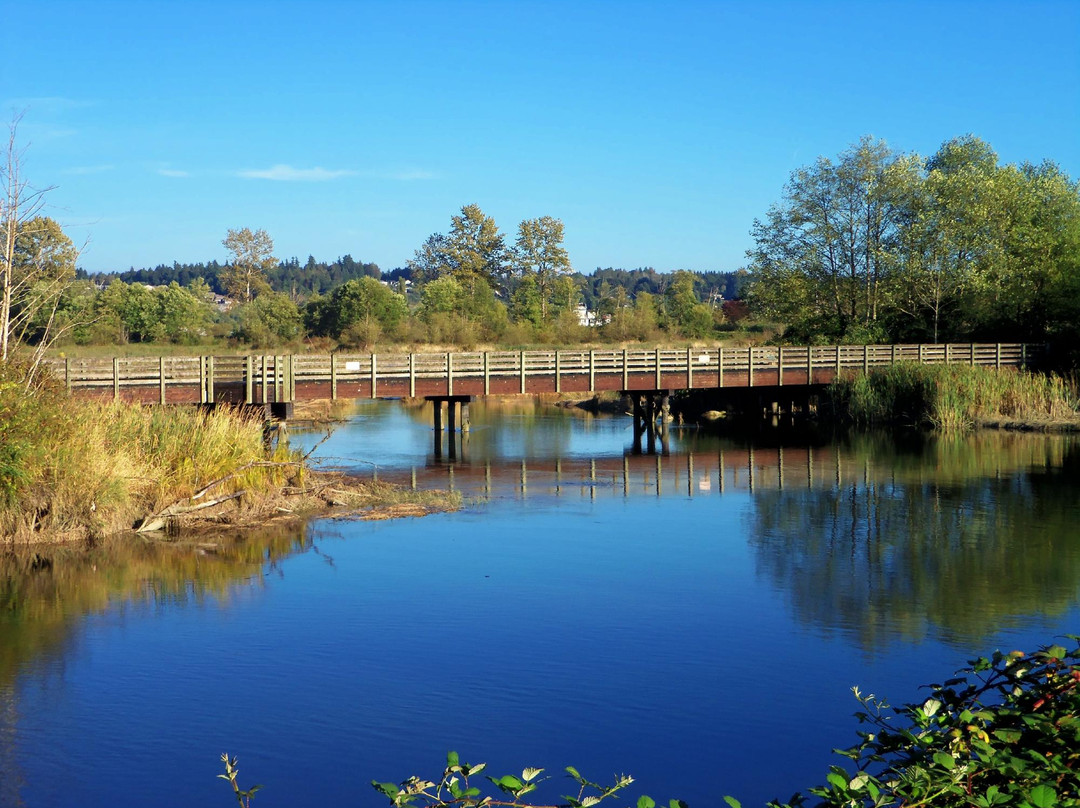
274, 379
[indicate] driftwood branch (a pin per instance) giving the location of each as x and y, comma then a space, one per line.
159, 520
182, 506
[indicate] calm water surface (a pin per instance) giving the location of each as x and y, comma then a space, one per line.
696, 620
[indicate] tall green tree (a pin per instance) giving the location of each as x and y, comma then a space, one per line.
353, 302
539, 254
954, 237
252, 257
684, 313
823, 257
474, 250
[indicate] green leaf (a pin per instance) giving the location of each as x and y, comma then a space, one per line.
645, 801
389, 789
476, 769
677, 804
838, 780
734, 803
1007, 735
590, 801
573, 773
945, 760
1043, 796
1057, 652
528, 774
452, 760
508, 783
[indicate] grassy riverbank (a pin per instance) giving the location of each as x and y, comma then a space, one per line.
957, 397
72, 470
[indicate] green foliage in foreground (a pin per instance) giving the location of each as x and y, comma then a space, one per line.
1004, 733
951, 396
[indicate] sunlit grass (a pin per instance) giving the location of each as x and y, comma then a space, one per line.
955, 397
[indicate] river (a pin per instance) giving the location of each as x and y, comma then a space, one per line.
696, 620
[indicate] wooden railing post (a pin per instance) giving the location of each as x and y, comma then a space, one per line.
592, 371
333, 376
449, 375
521, 359
625, 369
412, 375
375, 376
161, 379
838, 361
210, 379
865, 359
809, 364
558, 371
116, 378
780, 366
487, 373
719, 367
750, 366
1023, 354
997, 356
67, 373
972, 354
659, 382
689, 369
922, 355
249, 380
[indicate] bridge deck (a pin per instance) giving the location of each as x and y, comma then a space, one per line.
259, 379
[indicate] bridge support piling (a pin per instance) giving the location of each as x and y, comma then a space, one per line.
455, 418
639, 422
650, 424
665, 416
437, 404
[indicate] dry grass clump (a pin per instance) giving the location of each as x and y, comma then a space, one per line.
72, 468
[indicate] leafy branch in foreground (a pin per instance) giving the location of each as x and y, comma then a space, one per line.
1004, 733
455, 789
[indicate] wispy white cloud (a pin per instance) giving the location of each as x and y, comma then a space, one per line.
88, 169
287, 173
173, 172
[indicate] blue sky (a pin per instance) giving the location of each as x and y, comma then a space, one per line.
656, 131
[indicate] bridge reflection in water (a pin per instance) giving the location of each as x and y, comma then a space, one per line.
689, 473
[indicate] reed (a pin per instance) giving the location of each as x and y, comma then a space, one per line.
73, 468
954, 397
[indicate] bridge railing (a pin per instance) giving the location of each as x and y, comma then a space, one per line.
264, 378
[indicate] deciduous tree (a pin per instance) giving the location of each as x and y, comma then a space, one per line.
252, 258
539, 254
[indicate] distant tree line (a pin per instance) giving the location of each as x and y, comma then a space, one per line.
463, 287
289, 276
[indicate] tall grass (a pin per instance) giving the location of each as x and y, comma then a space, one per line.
954, 397
74, 468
